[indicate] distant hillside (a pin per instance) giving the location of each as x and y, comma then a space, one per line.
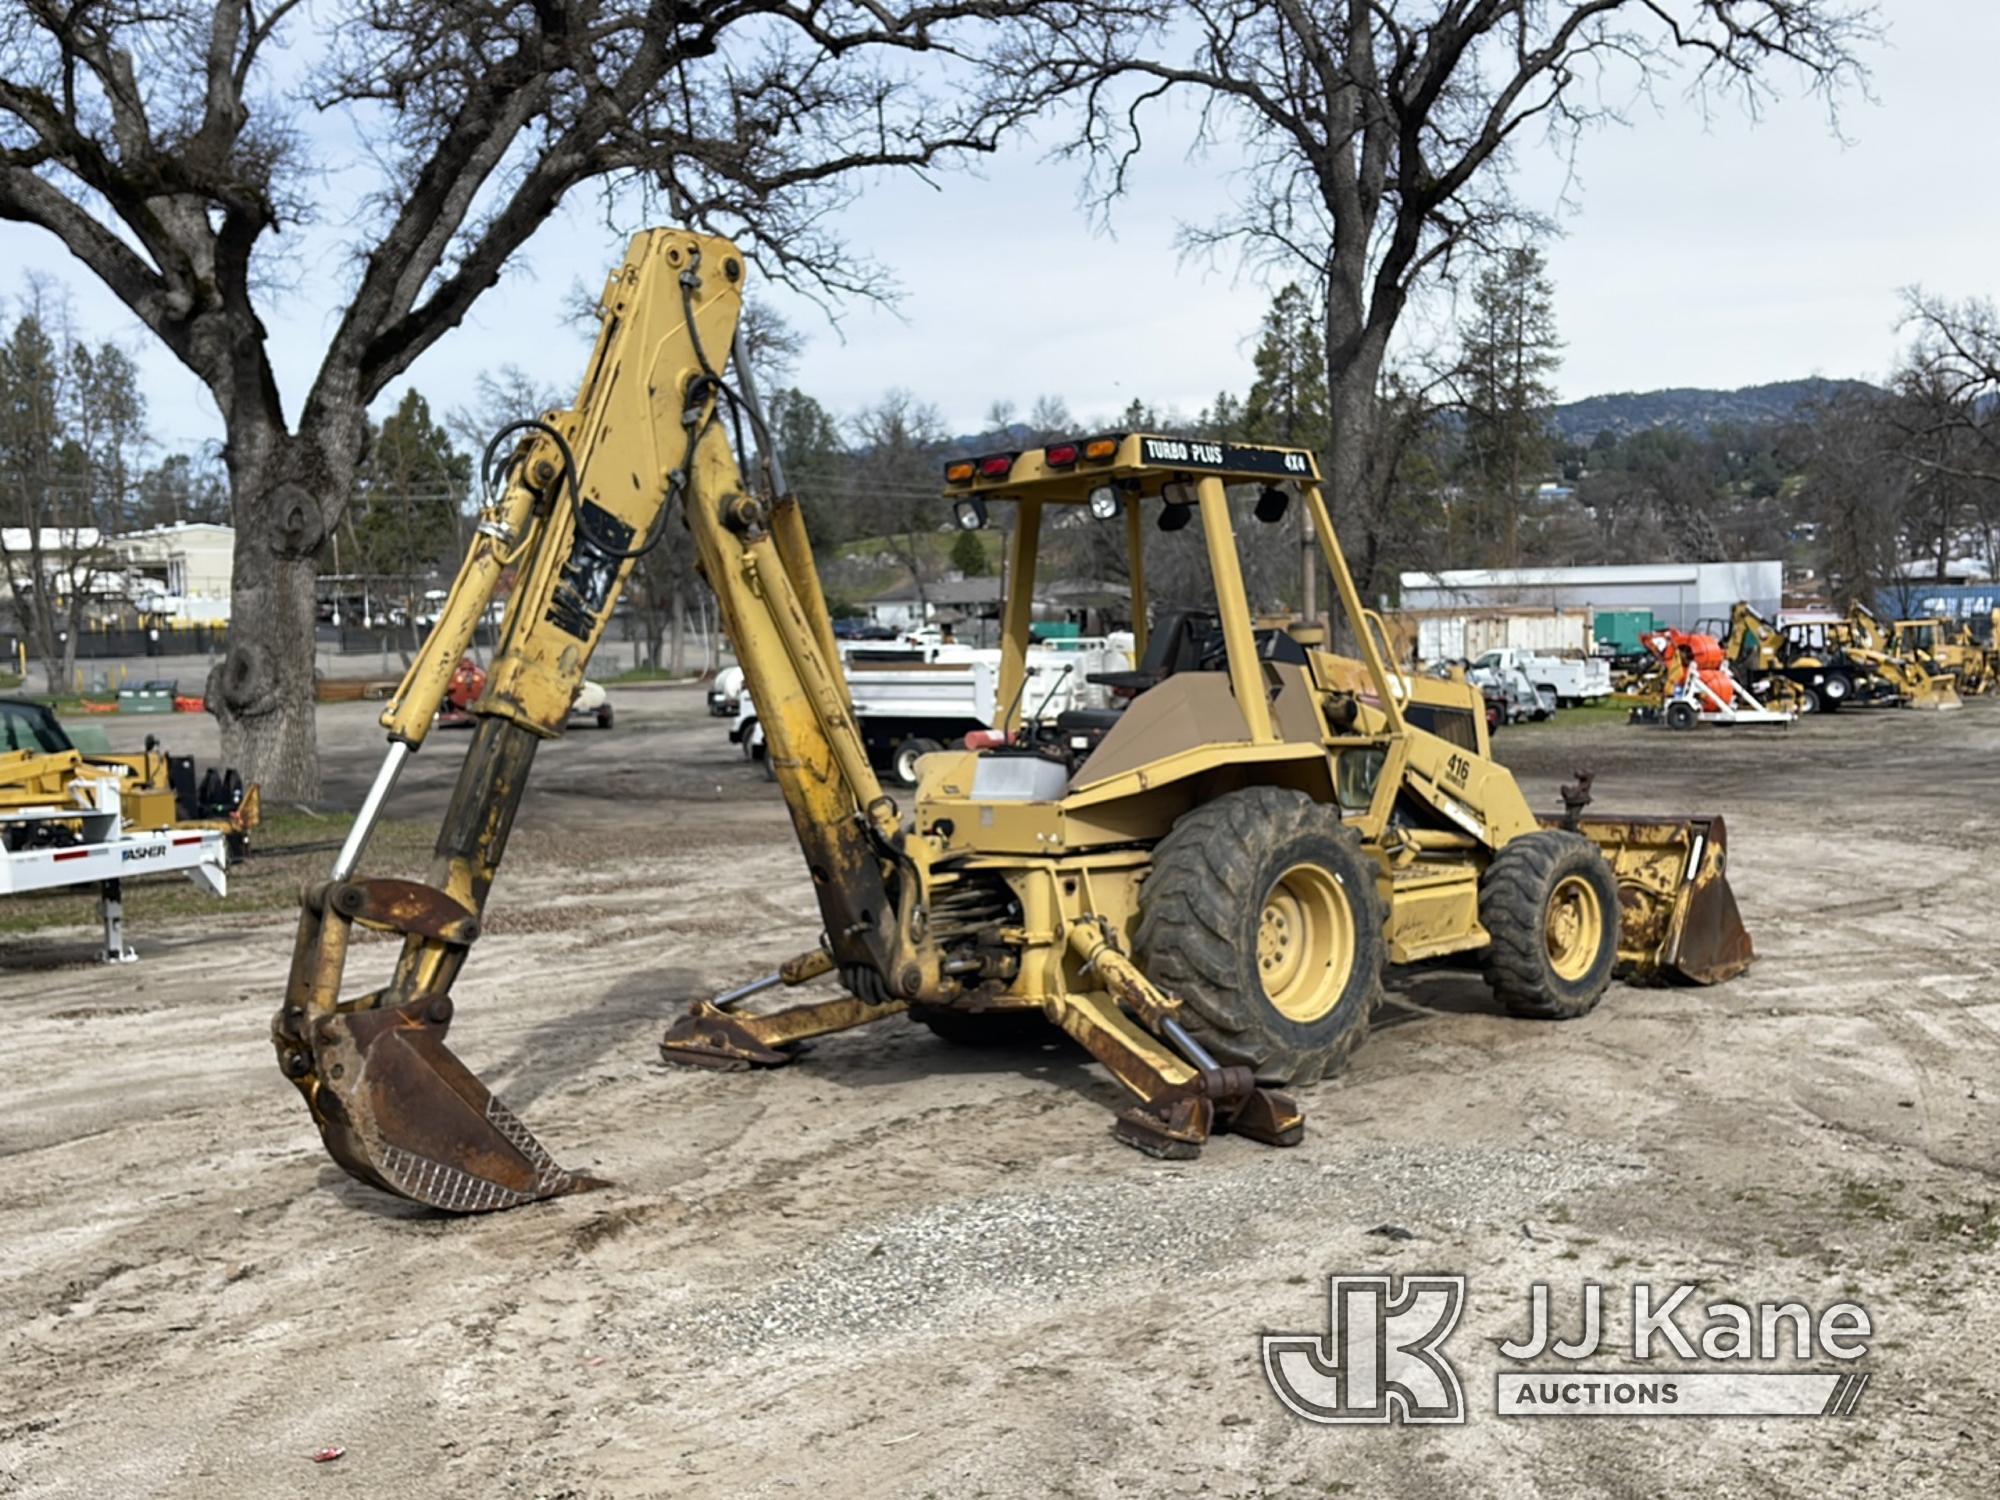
1694, 410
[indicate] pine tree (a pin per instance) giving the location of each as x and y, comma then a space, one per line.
1510, 354
410, 496
810, 446
968, 555
1287, 403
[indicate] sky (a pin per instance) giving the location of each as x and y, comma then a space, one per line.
1694, 251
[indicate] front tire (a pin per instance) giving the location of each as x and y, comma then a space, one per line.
1682, 714
1550, 905
605, 717
1260, 914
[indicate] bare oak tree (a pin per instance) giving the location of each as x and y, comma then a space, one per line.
159, 142
1375, 135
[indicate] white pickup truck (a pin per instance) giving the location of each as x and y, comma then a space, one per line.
908, 709
1572, 679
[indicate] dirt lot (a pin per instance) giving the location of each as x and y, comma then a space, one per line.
897, 1269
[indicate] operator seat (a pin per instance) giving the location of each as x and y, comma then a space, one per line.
1188, 640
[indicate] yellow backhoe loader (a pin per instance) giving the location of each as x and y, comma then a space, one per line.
1200, 889
1915, 674
1945, 646
1759, 657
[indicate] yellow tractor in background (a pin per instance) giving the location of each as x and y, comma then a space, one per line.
1945, 647
1916, 675
1201, 888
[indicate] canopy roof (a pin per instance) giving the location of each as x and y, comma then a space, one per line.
1137, 463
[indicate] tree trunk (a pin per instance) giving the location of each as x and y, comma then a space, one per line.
1354, 371
677, 618
655, 633
282, 491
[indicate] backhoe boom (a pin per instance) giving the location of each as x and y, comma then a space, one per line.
581, 498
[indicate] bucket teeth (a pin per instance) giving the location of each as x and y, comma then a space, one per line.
399, 1110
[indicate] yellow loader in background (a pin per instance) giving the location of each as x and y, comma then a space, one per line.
1914, 673
1201, 890
1945, 646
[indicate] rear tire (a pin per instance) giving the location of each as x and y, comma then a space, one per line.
604, 717
903, 764
1260, 915
1834, 690
1550, 904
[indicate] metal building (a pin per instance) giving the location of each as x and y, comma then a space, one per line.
1678, 594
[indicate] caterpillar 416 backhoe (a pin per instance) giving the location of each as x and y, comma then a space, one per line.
1203, 896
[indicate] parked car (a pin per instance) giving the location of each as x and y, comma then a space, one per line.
862, 630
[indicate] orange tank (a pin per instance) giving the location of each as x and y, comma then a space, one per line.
1701, 654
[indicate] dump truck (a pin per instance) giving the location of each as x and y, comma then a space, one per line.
1204, 899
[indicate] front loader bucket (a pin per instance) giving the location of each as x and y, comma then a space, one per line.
1678, 916
1935, 693
397, 1109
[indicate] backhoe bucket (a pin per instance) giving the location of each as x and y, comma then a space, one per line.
1678, 916
397, 1109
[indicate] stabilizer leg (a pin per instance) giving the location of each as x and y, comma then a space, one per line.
709, 1036
1179, 1102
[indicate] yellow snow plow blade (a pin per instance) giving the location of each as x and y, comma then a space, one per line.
1678, 916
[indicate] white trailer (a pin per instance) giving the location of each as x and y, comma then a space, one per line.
50, 847
1694, 702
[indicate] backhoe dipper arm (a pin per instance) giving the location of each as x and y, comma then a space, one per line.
583, 497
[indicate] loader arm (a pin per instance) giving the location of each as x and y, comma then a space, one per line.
582, 497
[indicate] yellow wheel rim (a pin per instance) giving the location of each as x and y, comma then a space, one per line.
1574, 931
1305, 943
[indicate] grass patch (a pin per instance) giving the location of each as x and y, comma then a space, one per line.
1861, 1199
1977, 1229
647, 674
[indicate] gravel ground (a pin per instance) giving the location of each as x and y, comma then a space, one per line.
898, 1268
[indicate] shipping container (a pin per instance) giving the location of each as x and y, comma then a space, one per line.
1618, 630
